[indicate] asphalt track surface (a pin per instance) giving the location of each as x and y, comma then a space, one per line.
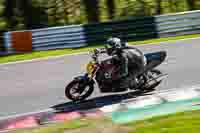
32, 86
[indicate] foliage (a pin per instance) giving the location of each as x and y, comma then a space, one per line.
30, 14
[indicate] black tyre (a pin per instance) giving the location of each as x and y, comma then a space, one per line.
152, 79
74, 88
156, 71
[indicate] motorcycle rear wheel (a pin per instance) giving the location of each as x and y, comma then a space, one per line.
74, 87
152, 77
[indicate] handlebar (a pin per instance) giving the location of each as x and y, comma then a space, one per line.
96, 52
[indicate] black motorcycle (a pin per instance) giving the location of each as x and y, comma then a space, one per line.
100, 72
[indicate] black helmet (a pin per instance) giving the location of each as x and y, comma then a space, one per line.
113, 44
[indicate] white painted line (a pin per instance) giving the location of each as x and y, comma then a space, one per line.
194, 87
26, 114
110, 108
158, 97
60, 56
144, 101
41, 59
167, 42
184, 94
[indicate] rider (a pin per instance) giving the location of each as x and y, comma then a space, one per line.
130, 60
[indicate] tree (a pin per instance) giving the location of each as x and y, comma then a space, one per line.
158, 7
111, 8
191, 4
141, 9
9, 12
63, 12
21, 14
92, 10
26, 9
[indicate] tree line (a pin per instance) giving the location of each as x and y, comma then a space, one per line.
30, 14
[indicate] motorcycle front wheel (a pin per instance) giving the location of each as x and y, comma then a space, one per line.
76, 91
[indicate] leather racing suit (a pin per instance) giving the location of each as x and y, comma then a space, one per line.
130, 62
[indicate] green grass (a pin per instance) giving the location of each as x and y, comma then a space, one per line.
82, 126
42, 54
166, 39
186, 122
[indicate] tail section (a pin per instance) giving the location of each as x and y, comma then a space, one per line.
154, 59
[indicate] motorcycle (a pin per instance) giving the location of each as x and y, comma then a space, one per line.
100, 73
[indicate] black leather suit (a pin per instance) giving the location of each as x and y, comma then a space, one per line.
130, 62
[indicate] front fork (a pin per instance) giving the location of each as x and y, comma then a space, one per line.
84, 81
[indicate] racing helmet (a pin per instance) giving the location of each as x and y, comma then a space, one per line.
112, 45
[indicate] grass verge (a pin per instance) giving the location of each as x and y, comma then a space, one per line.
185, 122
54, 128
78, 126
42, 54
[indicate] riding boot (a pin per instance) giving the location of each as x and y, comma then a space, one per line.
134, 83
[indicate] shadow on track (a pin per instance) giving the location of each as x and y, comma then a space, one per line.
99, 101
